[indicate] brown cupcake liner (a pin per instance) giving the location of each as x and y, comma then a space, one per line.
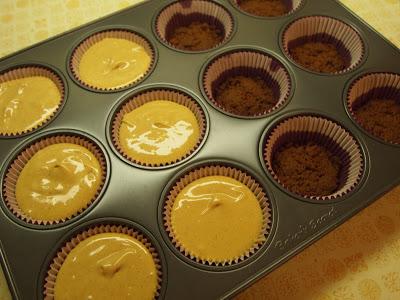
182, 13
148, 96
322, 28
327, 133
292, 6
29, 71
55, 266
250, 63
369, 86
16, 167
217, 170
112, 33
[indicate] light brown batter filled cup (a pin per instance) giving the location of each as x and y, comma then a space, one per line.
189, 185
338, 48
110, 70
246, 83
16, 167
194, 25
373, 101
271, 8
150, 96
62, 254
42, 112
316, 135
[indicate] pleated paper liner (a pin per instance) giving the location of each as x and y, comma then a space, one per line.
126, 34
144, 97
250, 63
324, 132
182, 13
16, 167
218, 170
55, 266
325, 29
379, 85
30, 71
290, 5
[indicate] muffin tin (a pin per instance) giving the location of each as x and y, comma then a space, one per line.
134, 195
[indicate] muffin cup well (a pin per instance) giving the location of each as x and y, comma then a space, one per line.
182, 13
30, 71
218, 170
292, 6
332, 136
372, 85
150, 95
55, 266
126, 34
325, 29
248, 63
17, 165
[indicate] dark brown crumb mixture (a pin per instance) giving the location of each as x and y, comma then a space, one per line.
381, 117
307, 169
245, 96
264, 8
196, 36
320, 57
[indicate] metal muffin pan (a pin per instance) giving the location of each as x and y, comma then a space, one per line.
134, 195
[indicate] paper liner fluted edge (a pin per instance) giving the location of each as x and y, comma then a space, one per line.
218, 170
17, 165
19, 72
127, 34
202, 7
251, 60
364, 84
340, 139
342, 32
144, 97
59, 258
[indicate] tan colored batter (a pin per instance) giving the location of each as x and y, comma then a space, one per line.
26, 103
159, 132
216, 218
113, 63
107, 266
58, 181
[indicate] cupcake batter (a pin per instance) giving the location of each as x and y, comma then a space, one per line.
57, 182
113, 63
381, 117
26, 103
159, 132
308, 169
264, 8
107, 266
322, 57
247, 95
197, 36
216, 218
